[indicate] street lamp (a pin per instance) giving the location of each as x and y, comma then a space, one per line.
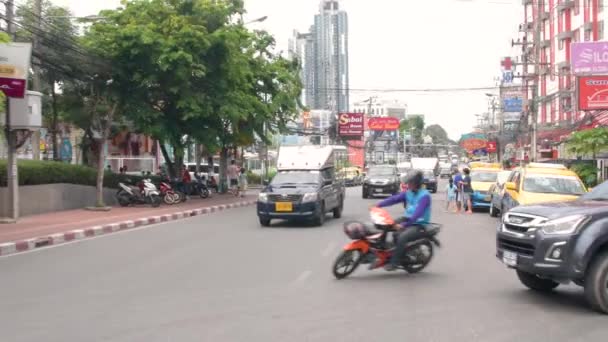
258, 20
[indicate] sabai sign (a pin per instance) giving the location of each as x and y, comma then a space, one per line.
351, 125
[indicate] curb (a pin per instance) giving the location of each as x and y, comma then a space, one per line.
15, 247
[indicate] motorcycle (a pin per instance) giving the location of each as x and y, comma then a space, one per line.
370, 245
169, 195
145, 193
200, 187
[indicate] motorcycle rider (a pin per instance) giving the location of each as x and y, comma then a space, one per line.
417, 215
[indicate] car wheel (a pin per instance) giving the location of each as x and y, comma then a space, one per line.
264, 221
320, 219
338, 211
364, 194
534, 282
596, 281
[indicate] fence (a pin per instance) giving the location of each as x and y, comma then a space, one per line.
133, 164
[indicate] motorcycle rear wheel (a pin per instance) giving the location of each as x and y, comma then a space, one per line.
170, 198
346, 263
204, 193
124, 199
155, 201
421, 260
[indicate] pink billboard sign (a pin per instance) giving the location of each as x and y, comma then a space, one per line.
589, 58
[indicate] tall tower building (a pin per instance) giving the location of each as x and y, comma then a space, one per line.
323, 54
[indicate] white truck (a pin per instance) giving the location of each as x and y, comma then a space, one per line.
426, 164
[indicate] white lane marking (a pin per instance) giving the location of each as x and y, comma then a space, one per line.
328, 250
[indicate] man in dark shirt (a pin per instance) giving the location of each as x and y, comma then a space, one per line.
467, 190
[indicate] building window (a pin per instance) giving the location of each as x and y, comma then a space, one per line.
577, 7
587, 35
600, 5
600, 30
577, 36
561, 44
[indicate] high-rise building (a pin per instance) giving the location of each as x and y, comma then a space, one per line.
323, 54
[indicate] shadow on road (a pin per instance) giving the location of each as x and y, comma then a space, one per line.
571, 300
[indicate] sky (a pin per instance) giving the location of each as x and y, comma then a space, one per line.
403, 44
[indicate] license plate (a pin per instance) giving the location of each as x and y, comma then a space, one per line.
509, 258
284, 206
378, 190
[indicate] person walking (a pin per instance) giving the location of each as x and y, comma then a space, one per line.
233, 177
457, 181
450, 195
467, 191
243, 182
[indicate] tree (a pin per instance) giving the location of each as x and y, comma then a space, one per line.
439, 135
588, 142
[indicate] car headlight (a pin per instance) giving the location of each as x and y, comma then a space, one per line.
263, 197
564, 225
310, 197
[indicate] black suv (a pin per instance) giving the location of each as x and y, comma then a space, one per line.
430, 181
381, 180
301, 195
556, 243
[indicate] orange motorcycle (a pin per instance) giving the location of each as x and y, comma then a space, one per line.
370, 245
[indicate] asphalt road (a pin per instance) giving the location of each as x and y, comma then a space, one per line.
224, 278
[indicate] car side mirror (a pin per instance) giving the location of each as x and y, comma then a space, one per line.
511, 186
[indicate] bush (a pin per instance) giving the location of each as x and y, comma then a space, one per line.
587, 173
253, 178
35, 172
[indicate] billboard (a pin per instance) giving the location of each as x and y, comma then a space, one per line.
513, 104
383, 124
511, 117
592, 92
14, 68
589, 57
351, 125
473, 142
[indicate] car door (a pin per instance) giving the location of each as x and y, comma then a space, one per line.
330, 188
510, 196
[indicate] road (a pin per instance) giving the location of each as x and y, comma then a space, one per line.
223, 278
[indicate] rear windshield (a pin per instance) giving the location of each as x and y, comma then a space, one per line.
296, 177
381, 171
481, 176
549, 184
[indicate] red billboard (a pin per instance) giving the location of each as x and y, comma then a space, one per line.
491, 147
593, 92
351, 125
383, 124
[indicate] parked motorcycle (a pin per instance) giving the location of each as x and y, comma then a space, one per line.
145, 193
200, 187
370, 245
169, 195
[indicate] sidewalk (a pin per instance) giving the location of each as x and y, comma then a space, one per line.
55, 228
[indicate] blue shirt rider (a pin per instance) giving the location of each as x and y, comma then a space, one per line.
417, 213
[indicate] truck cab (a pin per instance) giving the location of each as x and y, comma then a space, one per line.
305, 188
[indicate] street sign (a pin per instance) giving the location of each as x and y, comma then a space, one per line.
513, 104
351, 125
14, 68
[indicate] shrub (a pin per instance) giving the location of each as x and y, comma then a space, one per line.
253, 178
35, 172
587, 173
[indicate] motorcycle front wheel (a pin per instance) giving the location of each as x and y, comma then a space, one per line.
416, 259
204, 193
346, 263
170, 198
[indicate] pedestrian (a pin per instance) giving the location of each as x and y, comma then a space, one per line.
457, 181
233, 176
467, 191
450, 195
243, 182
186, 181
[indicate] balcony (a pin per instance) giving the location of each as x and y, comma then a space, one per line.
564, 5
545, 43
565, 35
563, 65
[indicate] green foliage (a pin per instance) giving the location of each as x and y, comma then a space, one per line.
50, 172
439, 135
587, 173
588, 142
253, 178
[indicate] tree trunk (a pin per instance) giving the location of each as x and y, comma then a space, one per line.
198, 156
178, 160
100, 172
168, 160
54, 123
223, 169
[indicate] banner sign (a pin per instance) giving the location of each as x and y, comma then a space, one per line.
491, 147
513, 104
511, 117
589, 57
473, 142
14, 68
383, 124
593, 92
351, 125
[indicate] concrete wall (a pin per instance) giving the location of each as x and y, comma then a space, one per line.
40, 199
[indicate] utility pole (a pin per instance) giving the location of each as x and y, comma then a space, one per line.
36, 83
535, 89
11, 172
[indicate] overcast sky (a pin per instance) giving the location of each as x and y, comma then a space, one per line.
403, 44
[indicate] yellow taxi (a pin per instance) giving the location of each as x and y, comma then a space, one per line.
541, 183
482, 179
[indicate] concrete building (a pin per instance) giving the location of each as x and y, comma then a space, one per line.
382, 108
323, 53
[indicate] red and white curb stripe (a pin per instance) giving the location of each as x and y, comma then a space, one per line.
85, 233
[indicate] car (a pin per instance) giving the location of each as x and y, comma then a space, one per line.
381, 180
482, 178
430, 181
496, 192
560, 242
540, 183
304, 188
